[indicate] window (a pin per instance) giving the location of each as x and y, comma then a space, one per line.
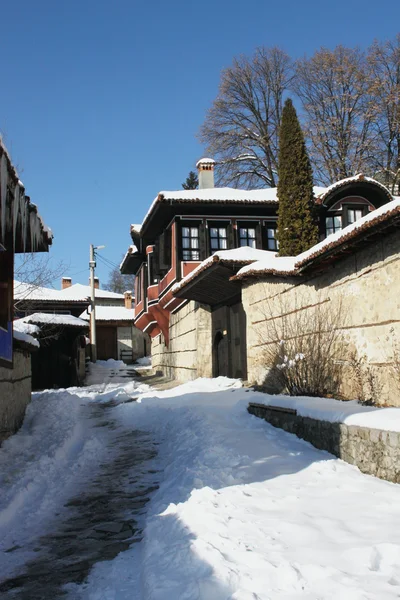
247, 236
190, 243
353, 214
272, 242
139, 287
332, 225
218, 239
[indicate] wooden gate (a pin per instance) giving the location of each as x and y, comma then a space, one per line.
106, 343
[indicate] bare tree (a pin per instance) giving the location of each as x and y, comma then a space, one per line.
241, 128
119, 283
34, 271
384, 80
333, 88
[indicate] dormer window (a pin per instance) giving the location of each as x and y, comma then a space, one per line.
190, 243
354, 214
333, 224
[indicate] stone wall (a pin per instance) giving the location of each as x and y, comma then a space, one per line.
15, 393
363, 288
373, 451
189, 353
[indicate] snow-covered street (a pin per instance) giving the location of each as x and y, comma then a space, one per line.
236, 508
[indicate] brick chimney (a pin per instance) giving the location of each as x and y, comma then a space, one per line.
205, 167
66, 282
96, 283
128, 299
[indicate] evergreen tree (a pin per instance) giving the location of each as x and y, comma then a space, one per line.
192, 182
297, 230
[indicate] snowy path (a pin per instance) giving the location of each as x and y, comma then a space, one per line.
74, 483
243, 510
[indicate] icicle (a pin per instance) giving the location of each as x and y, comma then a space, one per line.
15, 214
24, 218
3, 194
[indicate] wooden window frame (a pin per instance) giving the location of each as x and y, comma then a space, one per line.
335, 229
219, 238
246, 226
192, 251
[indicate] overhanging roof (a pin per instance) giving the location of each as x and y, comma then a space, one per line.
212, 286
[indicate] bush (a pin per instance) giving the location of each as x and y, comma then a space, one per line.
304, 349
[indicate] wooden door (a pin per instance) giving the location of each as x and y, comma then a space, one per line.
106, 342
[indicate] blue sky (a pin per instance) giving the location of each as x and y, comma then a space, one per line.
101, 101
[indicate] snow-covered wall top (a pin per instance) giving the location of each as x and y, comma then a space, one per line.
294, 264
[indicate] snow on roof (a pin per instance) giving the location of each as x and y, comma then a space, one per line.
293, 264
26, 338
136, 227
360, 177
381, 214
225, 194
84, 291
242, 255
131, 250
24, 327
30, 291
271, 264
111, 313
54, 319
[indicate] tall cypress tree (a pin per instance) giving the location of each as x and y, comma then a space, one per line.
297, 230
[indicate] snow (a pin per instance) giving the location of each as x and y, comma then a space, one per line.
29, 291
24, 327
243, 510
205, 161
25, 337
78, 289
294, 263
354, 179
111, 313
336, 411
24, 332
337, 237
271, 262
225, 194
235, 255
74, 293
145, 361
54, 319
131, 250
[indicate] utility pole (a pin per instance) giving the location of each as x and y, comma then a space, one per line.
92, 265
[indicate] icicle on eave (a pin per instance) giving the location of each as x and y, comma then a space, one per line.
35, 229
16, 211
24, 218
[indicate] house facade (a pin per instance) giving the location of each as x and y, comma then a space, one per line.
190, 247
21, 230
117, 336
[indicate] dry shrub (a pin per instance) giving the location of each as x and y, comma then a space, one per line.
303, 347
367, 386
